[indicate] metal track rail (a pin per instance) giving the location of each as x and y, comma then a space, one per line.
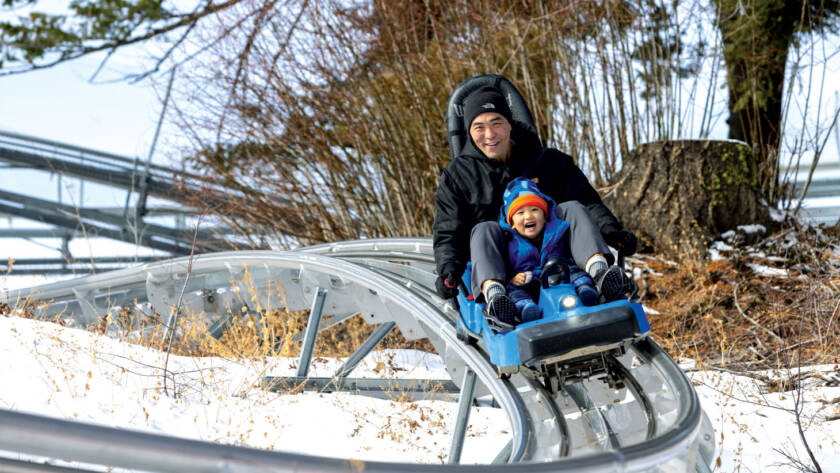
120, 172
653, 423
137, 180
106, 168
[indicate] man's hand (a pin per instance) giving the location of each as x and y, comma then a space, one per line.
521, 278
447, 282
623, 241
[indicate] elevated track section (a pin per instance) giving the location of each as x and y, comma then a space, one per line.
649, 422
158, 202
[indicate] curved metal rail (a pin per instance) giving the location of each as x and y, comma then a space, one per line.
652, 423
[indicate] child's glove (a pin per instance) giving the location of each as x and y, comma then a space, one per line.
522, 278
447, 282
623, 241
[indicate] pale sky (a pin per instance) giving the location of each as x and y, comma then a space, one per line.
60, 104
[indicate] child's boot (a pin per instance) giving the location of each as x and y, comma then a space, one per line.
530, 311
584, 286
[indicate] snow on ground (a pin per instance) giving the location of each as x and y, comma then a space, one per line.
78, 375
756, 430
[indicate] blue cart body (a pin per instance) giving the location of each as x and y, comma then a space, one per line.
561, 331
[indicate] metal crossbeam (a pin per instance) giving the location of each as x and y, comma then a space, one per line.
827, 187
163, 211
824, 184
372, 341
39, 233
149, 236
123, 179
8, 465
94, 230
413, 389
78, 214
161, 182
168, 243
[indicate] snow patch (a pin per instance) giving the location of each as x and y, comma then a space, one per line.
650, 311
755, 428
717, 248
762, 270
722, 246
754, 228
777, 215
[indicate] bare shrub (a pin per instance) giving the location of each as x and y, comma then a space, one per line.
329, 118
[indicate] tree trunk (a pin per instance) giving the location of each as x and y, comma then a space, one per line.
678, 195
757, 36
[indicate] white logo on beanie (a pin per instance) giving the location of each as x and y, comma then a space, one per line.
488, 105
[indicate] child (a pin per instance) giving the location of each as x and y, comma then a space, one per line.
537, 235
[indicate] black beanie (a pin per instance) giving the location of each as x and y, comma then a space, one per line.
485, 99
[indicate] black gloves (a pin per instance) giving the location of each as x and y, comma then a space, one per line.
623, 241
447, 282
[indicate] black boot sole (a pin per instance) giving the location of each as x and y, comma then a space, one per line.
502, 313
611, 285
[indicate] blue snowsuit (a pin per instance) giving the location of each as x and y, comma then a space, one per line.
521, 252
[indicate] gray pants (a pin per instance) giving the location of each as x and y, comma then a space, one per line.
488, 248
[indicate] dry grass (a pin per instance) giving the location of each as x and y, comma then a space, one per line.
724, 313
246, 336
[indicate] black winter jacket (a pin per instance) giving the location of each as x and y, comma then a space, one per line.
471, 187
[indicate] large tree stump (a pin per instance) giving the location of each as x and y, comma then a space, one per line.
678, 195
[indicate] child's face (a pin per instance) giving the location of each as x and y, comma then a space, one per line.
528, 221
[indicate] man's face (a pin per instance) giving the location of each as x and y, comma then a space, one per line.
490, 132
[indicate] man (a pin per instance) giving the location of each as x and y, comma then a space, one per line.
469, 197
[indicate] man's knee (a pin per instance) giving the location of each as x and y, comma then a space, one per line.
572, 210
486, 231
486, 250
489, 227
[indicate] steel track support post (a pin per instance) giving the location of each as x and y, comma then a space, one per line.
462, 417
221, 325
363, 350
702, 465
504, 454
311, 332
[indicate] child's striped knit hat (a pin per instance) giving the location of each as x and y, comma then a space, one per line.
525, 199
